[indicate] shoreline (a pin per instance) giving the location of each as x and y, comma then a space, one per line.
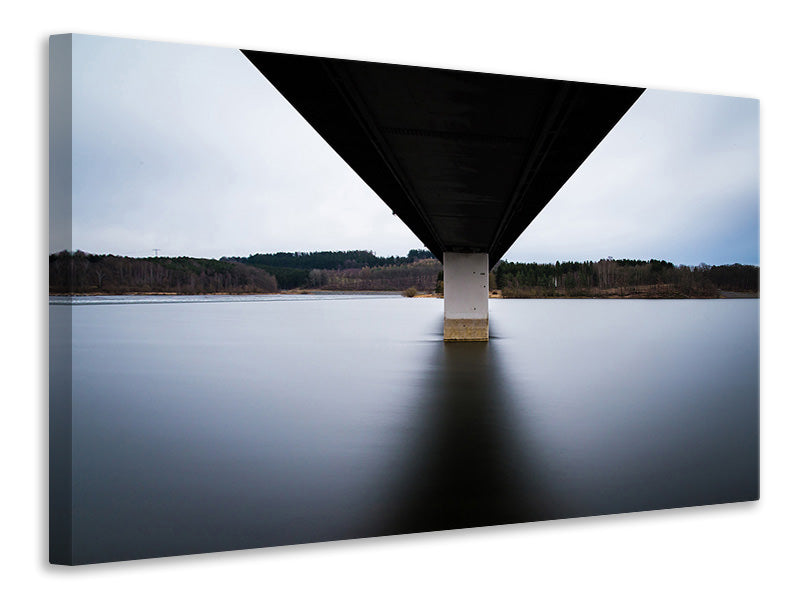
723, 295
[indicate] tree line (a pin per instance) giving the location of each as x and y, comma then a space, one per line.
81, 273
623, 277
338, 269
360, 270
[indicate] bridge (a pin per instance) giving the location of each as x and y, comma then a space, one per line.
466, 160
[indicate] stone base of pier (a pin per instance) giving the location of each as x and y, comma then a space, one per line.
466, 330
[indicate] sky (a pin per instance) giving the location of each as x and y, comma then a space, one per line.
189, 149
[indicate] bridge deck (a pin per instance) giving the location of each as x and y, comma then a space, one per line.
466, 160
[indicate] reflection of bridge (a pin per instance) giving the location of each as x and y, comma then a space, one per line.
466, 160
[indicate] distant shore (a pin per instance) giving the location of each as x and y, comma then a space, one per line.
417, 275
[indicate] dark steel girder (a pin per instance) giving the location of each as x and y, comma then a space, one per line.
466, 160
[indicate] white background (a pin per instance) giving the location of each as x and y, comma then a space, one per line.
744, 49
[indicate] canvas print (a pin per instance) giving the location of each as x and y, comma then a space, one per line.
301, 299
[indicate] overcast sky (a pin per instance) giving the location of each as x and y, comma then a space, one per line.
190, 150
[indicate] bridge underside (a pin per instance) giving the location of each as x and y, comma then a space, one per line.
466, 160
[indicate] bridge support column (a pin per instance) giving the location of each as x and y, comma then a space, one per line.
466, 297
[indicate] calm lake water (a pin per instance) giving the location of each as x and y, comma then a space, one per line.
215, 423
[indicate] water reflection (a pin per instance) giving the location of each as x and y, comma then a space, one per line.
464, 466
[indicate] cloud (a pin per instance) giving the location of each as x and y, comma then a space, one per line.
190, 149
675, 179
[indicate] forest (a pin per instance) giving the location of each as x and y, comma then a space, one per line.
360, 270
81, 273
343, 270
622, 278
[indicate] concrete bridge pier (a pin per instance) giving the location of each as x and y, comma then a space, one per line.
466, 297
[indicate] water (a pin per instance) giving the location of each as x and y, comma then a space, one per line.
214, 423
